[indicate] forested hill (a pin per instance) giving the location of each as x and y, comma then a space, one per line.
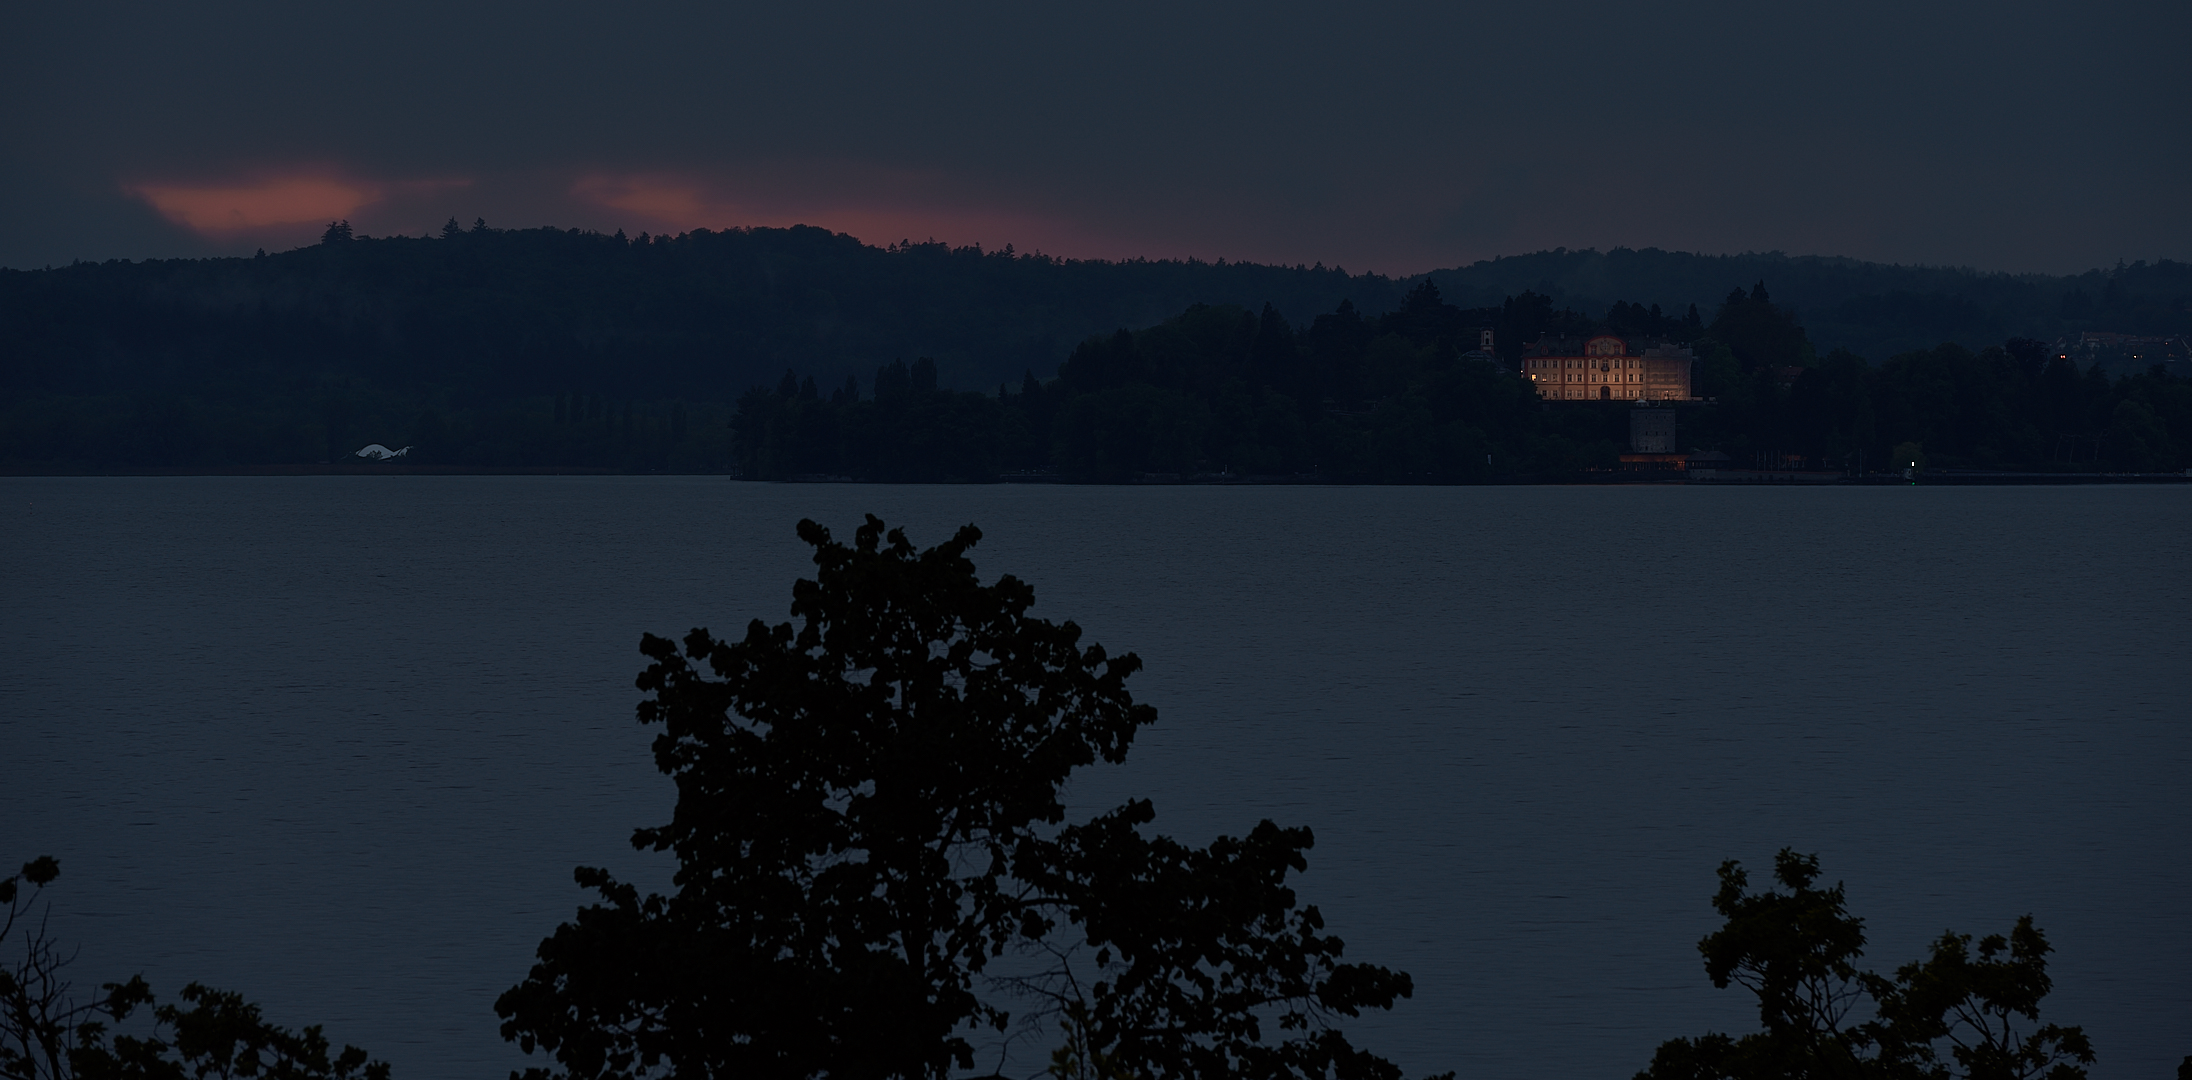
488, 313
1872, 309
555, 348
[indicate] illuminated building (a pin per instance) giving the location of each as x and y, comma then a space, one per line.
1602, 368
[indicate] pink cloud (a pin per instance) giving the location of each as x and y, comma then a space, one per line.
876, 210
279, 203
273, 201
662, 200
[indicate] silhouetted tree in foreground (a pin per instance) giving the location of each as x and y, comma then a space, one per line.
48, 1033
869, 815
1959, 1013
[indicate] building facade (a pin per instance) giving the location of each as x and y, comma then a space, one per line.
1483, 353
1604, 368
1651, 431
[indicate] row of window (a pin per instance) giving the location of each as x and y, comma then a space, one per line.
1622, 364
1604, 392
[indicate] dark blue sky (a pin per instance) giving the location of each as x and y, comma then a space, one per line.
1395, 137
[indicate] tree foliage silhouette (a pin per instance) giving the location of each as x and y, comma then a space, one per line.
47, 1032
1955, 1014
869, 814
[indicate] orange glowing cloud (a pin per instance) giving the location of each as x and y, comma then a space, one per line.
899, 211
284, 200
665, 201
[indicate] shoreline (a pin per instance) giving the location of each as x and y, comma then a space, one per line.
1712, 478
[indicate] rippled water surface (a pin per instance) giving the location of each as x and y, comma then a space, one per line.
338, 741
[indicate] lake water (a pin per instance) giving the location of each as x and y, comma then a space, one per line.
336, 742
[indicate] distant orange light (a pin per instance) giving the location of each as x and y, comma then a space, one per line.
667, 200
877, 216
278, 201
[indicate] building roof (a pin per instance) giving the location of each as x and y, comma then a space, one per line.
1564, 347
1568, 346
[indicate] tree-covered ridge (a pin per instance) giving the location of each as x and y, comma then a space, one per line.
1871, 309
1222, 392
512, 311
551, 348
463, 340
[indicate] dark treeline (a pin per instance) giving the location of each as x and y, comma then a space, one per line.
548, 348
1871, 309
463, 344
1403, 397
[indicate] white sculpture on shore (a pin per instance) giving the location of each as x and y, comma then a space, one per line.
377, 452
